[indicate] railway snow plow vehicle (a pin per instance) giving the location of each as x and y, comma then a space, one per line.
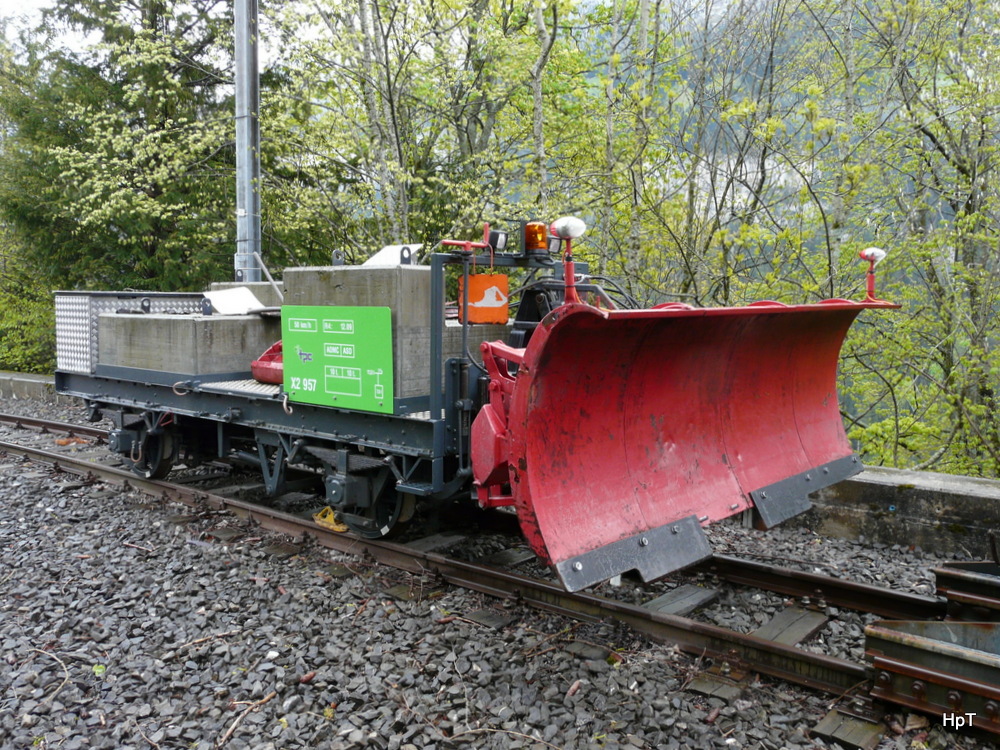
615, 433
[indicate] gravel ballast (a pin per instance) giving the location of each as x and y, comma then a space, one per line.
125, 626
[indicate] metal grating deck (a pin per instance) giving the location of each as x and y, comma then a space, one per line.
422, 415
249, 387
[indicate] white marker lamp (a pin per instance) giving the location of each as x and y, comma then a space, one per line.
874, 256
568, 228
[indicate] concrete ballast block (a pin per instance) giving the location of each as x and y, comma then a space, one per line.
185, 344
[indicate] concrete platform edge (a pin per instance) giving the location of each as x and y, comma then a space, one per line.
16, 386
940, 512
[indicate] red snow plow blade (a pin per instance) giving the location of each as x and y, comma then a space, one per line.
623, 431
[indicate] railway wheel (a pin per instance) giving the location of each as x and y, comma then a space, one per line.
153, 456
386, 517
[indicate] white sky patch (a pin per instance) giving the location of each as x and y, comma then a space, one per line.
18, 14
21, 11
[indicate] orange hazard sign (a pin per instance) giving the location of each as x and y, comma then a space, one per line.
488, 302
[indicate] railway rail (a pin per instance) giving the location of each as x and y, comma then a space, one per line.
731, 653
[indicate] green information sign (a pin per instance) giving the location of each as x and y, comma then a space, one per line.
338, 356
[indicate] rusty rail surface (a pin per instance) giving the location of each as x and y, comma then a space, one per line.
862, 597
47, 425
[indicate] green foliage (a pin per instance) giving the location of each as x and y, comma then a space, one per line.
27, 332
115, 171
27, 318
721, 152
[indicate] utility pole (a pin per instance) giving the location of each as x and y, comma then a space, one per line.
247, 267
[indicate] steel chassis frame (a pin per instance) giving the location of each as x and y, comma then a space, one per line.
423, 445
